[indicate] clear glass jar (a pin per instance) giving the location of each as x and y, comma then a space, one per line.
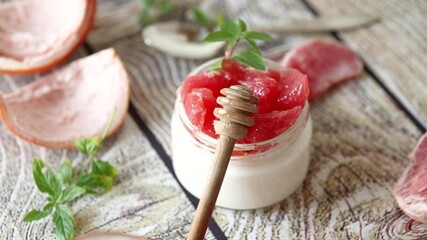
258, 175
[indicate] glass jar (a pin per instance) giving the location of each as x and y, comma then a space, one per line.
258, 175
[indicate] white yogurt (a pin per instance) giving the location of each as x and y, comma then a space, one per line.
251, 181
266, 172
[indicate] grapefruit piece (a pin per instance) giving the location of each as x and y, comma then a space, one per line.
36, 35
214, 81
197, 105
272, 124
325, 63
72, 103
410, 190
265, 89
294, 89
282, 95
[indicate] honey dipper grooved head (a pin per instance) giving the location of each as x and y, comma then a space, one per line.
233, 117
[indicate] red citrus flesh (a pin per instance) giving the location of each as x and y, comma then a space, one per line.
326, 64
281, 93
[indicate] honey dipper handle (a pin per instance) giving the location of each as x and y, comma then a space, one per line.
207, 201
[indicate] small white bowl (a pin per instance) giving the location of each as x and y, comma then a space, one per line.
168, 37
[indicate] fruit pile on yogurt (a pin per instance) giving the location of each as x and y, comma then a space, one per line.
282, 95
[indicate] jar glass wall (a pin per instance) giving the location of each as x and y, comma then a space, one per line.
259, 174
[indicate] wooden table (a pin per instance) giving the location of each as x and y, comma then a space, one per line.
363, 132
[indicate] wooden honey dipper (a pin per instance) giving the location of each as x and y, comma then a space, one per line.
233, 120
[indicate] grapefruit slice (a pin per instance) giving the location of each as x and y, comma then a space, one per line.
197, 105
410, 191
325, 63
72, 103
36, 35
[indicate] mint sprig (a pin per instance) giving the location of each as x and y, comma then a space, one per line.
207, 22
232, 33
150, 7
66, 184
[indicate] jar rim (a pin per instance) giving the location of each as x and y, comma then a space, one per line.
209, 143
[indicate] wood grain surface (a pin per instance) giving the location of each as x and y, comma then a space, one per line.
146, 199
360, 143
395, 48
359, 149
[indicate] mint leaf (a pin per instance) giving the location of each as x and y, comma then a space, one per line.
219, 18
92, 182
65, 172
149, 3
89, 181
53, 183
34, 215
252, 44
232, 33
100, 167
72, 193
218, 37
217, 65
107, 182
47, 209
38, 166
252, 59
61, 188
89, 146
165, 7
201, 18
63, 219
258, 36
45, 180
230, 27
242, 26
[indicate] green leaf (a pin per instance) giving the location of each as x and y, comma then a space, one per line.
63, 219
89, 181
258, 36
149, 3
220, 19
47, 209
107, 182
38, 166
92, 182
217, 65
144, 18
251, 59
46, 181
72, 193
231, 27
165, 7
100, 167
53, 182
89, 146
65, 172
200, 16
218, 37
252, 44
242, 25
34, 215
